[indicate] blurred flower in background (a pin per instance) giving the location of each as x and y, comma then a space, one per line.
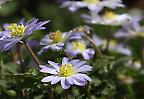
131, 29
108, 18
113, 46
93, 5
77, 47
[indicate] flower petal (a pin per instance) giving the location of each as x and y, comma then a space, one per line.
65, 60
85, 76
55, 80
79, 77
48, 79
79, 64
79, 82
85, 55
84, 68
55, 65
64, 83
46, 69
70, 80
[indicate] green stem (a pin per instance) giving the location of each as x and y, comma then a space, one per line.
32, 54
52, 92
87, 91
96, 48
130, 91
66, 94
142, 58
20, 57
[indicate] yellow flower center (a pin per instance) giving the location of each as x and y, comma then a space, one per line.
110, 15
91, 1
66, 70
140, 34
112, 42
56, 36
77, 45
16, 30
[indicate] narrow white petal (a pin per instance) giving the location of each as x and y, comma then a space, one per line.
55, 80
65, 60
55, 65
47, 79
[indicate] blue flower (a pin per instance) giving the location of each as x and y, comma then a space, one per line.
16, 32
131, 29
93, 5
113, 46
79, 47
68, 72
108, 18
56, 40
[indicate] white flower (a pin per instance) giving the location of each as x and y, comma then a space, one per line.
113, 46
69, 72
131, 29
108, 18
79, 47
53, 40
93, 5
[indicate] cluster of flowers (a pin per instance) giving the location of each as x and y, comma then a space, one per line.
102, 12
75, 42
69, 72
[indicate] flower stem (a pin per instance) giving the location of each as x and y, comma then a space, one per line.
66, 94
20, 57
96, 48
130, 91
32, 53
52, 92
87, 91
142, 57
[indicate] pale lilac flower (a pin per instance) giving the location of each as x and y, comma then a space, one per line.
113, 46
93, 5
56, 40
16, 32
76, 47
120, 48
69, 72
131, 29
53, 40
108, 18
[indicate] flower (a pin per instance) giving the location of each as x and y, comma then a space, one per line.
79, 47
68, 73
119, 48
93, 5
108, 18
16, 32
113, 46
131, 29
56, 40
53, 40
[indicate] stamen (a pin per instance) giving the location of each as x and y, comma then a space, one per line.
110, 15
56, 36
16, 30
91, 1
66, 70
77, 45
